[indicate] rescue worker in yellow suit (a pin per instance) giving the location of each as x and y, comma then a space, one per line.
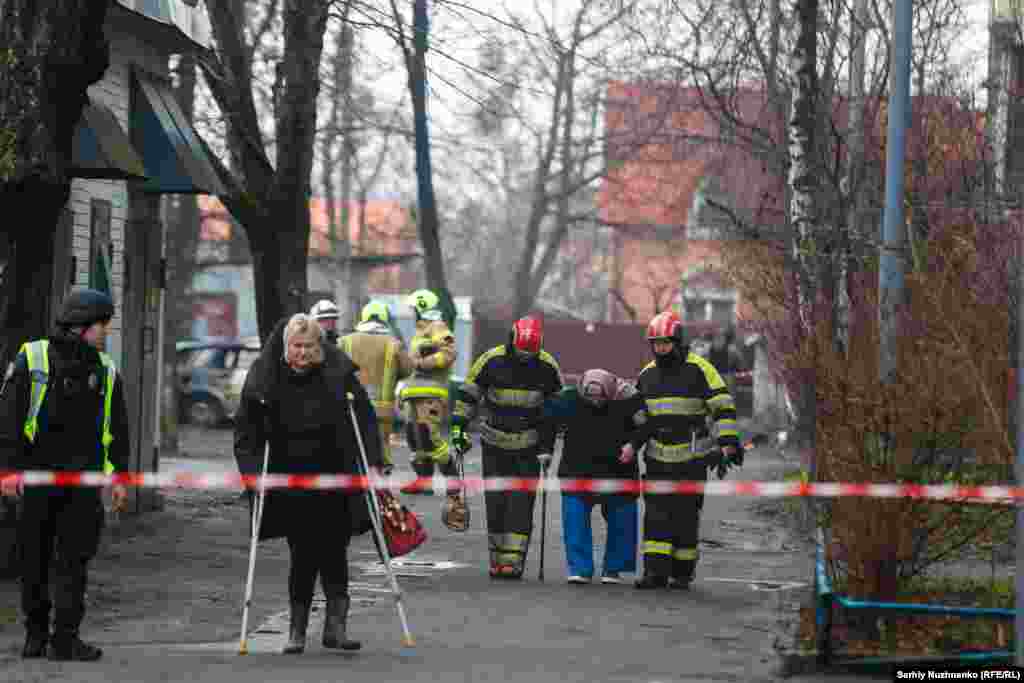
510, 382
680, 389
382, 362
425, 395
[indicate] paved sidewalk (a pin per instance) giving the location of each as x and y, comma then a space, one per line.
166, 595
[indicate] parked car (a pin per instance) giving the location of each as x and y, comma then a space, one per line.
210, 375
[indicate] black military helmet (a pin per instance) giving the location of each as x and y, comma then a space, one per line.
83, 307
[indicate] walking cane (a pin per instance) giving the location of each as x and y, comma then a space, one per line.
257, 518
543, 513
375, 519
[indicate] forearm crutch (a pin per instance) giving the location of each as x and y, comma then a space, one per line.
375, 519
257, 519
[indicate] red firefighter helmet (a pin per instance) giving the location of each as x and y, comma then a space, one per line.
666, 326
527, 336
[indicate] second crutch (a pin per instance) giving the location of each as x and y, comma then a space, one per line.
257, 519
378, 530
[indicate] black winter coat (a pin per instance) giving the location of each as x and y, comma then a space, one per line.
594, 437
307, 421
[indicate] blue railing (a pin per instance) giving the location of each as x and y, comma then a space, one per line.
826, 598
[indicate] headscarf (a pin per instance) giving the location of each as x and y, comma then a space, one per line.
600, 386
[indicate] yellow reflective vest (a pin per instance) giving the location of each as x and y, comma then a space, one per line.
37, 354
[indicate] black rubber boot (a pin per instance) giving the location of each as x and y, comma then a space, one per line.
681, 583
35, 645
297, 624
72, 649
335, 618
651, 582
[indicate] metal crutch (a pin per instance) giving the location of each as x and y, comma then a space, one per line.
543, 513
257, 519
375, 518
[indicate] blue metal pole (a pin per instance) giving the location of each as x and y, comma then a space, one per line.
424, 174
894, 231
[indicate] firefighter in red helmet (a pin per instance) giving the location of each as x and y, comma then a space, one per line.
681, 390
511, 383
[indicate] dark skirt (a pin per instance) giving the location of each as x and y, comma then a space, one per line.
318, 513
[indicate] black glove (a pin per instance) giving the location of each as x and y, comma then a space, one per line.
721, 465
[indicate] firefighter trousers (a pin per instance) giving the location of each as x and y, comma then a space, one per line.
60, 530
509, 513
672, 522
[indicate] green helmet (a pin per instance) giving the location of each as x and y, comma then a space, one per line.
426, 304
375, 310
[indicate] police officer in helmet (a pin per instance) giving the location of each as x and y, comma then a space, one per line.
62, 408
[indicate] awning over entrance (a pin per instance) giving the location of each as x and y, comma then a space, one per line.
101, 148
175, 160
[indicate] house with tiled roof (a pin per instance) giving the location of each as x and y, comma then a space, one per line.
670, 162
384, 242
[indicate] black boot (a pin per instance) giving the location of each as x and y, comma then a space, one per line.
72, 649
335, 620
652, 581
681, 583
35, 645
297, 624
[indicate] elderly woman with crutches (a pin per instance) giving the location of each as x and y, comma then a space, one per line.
294, 419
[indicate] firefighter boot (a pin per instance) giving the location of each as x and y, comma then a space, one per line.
35, 645
335, 620
651, 582
71, 648
424, 469
298, 623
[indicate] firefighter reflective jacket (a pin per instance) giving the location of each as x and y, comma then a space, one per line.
432, 351
382, 363
511, 392
679, 401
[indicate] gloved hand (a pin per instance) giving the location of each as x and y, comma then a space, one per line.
735, 456
460, 440
627, 455
544, 459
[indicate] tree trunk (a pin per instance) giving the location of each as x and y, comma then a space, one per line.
803, 207
855, 170
54, 50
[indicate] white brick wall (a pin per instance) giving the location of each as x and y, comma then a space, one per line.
113, 91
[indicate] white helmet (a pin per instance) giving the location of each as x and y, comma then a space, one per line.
324, 309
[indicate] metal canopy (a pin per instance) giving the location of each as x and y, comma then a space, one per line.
175, 160
101, 149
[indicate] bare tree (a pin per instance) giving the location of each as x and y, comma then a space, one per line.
270, 199
51, 51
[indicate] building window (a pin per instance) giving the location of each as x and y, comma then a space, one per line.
101, 247
702, 309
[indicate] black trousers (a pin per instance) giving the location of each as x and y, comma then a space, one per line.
59, 530
672, 522
510, 513
314, 555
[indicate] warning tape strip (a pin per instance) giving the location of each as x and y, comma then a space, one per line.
1003, 495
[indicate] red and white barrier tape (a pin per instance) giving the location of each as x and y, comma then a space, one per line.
759, 489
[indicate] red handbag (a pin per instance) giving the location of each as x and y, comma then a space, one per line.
402, 528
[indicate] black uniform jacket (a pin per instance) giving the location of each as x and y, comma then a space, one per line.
70, 435
510, 392
307, 422
680, 398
